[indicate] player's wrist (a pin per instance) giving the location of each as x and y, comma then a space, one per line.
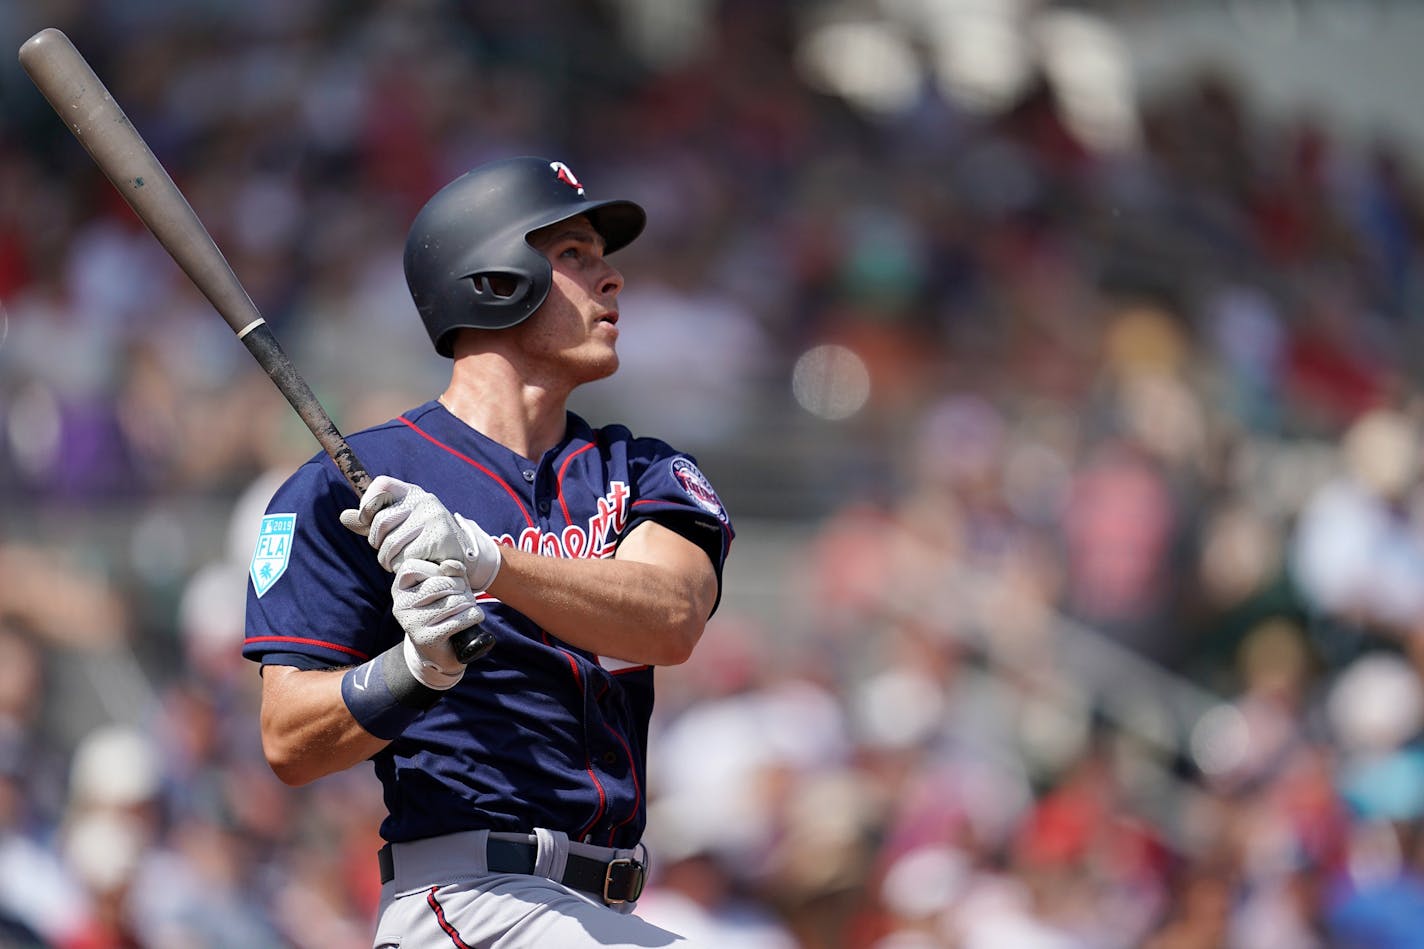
384, 697
482, 556
426, 671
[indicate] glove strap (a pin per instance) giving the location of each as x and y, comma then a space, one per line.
486, 555
384, 697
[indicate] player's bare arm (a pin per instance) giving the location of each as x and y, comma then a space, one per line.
648, 604
307, 730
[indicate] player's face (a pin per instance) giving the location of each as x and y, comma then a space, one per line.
574, 332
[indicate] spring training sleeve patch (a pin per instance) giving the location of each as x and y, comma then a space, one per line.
314, 588
273, 551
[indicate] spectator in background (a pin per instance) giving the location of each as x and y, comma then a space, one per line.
1358, 551
39, 896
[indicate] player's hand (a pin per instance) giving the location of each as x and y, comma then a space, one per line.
433, 602
403, 521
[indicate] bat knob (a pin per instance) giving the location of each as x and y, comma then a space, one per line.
471, 644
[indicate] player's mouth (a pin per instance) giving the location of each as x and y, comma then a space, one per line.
609, 320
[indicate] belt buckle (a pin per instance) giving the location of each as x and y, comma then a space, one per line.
627, 873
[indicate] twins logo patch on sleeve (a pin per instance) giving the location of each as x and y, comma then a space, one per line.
697, 487
274, 550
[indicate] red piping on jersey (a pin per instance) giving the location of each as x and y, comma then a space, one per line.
303, 641
528, 519
587, 761
573, 666
562, 470
637, 788
602, 798
450, 930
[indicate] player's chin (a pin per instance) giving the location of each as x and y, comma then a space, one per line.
608, 366
597, 366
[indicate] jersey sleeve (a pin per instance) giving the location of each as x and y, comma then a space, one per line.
316, 597
674, 493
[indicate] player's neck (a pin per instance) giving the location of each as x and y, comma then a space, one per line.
491, 398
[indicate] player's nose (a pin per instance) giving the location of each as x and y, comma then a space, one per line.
611, 282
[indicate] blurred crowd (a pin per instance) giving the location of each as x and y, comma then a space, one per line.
1098, 625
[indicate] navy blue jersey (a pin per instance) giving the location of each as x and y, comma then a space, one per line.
539, 733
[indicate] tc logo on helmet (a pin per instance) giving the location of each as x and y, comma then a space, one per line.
566, 175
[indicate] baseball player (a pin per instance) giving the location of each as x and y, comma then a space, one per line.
515, 787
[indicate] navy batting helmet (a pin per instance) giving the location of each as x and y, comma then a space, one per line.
468, 261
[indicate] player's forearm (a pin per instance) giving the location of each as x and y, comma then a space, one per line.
307, 730
623, 609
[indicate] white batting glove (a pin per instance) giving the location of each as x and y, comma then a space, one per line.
403, 521
433, 602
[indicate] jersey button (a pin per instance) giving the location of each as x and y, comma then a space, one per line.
544, 508
609, 759
528, 476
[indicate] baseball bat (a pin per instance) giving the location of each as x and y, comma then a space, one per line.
74, 92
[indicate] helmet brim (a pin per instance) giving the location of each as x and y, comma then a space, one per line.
618, 222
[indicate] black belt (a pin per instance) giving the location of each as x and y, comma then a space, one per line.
614, 881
